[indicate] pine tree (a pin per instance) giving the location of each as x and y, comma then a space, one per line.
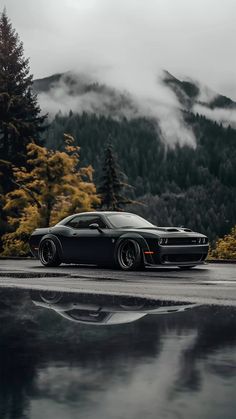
20, 119
112, 185
5, 186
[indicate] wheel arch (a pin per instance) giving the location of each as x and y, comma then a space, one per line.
147, 258
56, 241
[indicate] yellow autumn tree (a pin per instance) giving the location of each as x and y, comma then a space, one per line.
226, 247
53, 189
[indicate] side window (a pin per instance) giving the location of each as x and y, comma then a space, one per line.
74, 223
84, 221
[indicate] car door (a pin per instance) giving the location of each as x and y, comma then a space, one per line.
86, 245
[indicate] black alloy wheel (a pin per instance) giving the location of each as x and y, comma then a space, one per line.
48, 253
129, 256
51, 297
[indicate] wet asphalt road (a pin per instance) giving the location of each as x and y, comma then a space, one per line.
207, 284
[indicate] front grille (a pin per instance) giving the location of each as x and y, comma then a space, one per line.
183, 258
182, 241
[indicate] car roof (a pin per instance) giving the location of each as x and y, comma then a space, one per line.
98, 213
102, 213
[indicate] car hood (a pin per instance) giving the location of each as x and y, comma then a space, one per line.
165, 232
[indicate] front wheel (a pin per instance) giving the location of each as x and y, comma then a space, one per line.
48, 253
129, 255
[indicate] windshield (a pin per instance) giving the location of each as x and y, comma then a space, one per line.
128, 221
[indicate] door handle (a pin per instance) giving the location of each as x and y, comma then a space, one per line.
74, 234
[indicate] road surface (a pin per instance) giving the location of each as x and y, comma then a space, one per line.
207, 284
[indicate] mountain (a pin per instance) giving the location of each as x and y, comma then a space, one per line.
190, 93
65, 91
179, 155
80, 93
74, 84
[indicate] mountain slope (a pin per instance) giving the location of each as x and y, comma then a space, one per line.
190, 93
66, 91
181, 184
80, 93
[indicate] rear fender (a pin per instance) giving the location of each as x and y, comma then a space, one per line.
142, 243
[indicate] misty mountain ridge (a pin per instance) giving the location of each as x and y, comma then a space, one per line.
191, 93
63, 92
80, 93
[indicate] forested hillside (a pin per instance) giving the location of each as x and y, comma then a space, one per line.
180, 185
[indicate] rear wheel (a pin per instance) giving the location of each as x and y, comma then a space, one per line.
51, 297
129, 255
48, 253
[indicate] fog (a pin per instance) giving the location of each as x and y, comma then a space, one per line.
156, 101
224, 116
120, 37
126, 44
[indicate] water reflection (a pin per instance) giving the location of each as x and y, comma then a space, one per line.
104, 309
178, 365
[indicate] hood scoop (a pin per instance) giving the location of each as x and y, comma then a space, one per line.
175, 229
170, 229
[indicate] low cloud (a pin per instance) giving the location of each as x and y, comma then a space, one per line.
206, 94
124, 44
225, 117
80, 93
131, 97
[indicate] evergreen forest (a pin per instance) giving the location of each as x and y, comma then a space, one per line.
182, 185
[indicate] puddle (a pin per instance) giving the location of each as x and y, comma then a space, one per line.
71, 355
32, 275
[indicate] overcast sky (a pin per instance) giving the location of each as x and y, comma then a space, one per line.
122, 39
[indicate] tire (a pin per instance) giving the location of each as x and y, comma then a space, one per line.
129, 255
48, 253
185, 268
51, 297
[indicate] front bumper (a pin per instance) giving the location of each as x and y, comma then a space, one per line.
178, 255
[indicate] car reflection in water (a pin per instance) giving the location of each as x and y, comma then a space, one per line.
104, 309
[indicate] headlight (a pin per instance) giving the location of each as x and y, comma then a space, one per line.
163, 241
202, 240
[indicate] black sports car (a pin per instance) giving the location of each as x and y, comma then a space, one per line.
118, 239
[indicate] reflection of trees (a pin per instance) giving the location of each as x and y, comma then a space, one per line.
17, 371
216, 329
18, 358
